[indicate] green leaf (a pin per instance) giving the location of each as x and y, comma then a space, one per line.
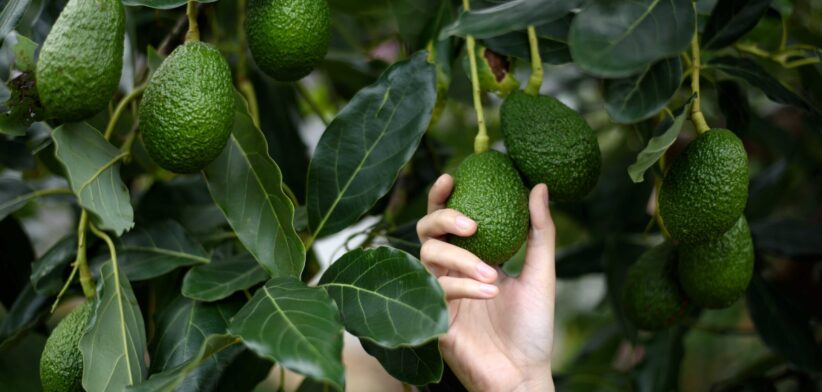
733, 102
552, 39
416, 18
387, 296
10, 15
24, 53
14, 194
161, 4
508, 16
361, 153
664, 136
171, 379
222, 277
93, 169
247, 186
784, 328
148, 252
412, 365
295, 325
20, 364
14, 154
47, 271
788, 238
730, 20
114, 343
26, 312
639, 97
310, 385
244, 372
660, 369
617, 39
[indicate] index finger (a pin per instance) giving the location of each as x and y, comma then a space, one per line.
439, 193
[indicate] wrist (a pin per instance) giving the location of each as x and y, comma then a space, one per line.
537, 379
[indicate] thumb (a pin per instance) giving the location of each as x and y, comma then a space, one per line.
539, 265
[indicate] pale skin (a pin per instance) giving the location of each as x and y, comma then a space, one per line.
501, 328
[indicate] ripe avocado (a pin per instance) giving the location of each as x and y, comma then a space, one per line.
188, 108
288, 38
489, 190
716, 273
61, 364
81, 59
652, 297
706, 188
552, 144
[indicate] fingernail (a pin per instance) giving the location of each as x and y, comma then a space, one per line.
486, 270
488, 289
463, 223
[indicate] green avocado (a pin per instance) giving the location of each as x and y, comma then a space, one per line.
188, 108
61, 364
652, 297
552, 144
488, 189
706, 188
288, 38
716, 273
79, 67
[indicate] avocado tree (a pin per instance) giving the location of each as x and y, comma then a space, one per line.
196, 193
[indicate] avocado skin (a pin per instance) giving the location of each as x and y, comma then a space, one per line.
706, 188
489, 190
61, 364
188, 108
552, 144
652, 297
288, 38
79, 67
716, 273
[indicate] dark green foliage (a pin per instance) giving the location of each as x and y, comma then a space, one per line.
652, 297
61, 366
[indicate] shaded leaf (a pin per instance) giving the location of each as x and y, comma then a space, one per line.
508, 16
734, 105
664, 353
296, 326
639, 97
310, 385
162, 4
93, 169
362, 151
617, 39
145, 253
15, 155
47, 271
788, 238
10, 15
244, 372
664, 136
14, 194
575, 261
223, 277
15, 262
20, 364
247, 186
26, 312
730, 20
387, 296
417, 19
552, 39
412, 365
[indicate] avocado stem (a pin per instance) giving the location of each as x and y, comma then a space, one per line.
481, 141
535, 82
193, 33
696, 110
86, 281
121, 107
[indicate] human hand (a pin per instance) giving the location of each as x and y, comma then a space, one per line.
502, 329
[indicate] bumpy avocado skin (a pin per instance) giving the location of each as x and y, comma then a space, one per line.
706, 188
79, 67
488, 189
288, 38
716, 273
552, 144
652, 297
188, 108
61, 364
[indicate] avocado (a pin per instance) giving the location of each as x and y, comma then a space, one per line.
188, 108
61, 364
495, 71
79, 67
288, 38
488, 189
716, 273
552, 144
652, 297
706, 188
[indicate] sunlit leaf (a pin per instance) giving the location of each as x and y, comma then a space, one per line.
664, 137
24, 53
639, 97
222, 277
412, 365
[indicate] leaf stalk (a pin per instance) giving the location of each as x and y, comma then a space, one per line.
696, 110
535, 81
481, 141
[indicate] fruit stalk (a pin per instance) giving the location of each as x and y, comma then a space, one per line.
86, 281
535, 82
696, 110
481, 140
193, 33
121, 107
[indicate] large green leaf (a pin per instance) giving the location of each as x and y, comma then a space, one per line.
412, 365
788, 237
636, 98
552, 39
148, 252
387, 296
615, 39
93, 169
14, 194
26, 312
10, 15
114, 343
664, 136
222, 277
730, 20
508, 16
362, 151
247, 186
162, 4
295, 325
47, 271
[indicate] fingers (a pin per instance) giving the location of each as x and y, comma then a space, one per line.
459, 288
442, 257
439, 193
539, 257
445, 221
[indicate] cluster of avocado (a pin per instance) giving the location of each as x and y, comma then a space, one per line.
701, 201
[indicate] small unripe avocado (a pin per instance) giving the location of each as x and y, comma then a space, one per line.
495, 71
716, 273
61, 364
288, 38
552, 144
652, 297
488, 189
188, 108
79, 67
706, 188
